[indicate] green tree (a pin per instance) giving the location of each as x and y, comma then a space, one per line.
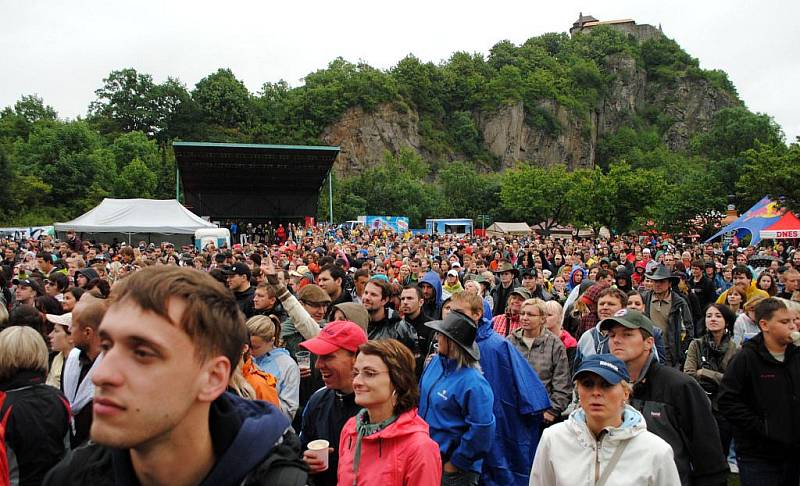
136, 180
592, 197
537, 195
774, 170
223, 100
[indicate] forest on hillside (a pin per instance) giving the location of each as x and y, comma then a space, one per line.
54, 169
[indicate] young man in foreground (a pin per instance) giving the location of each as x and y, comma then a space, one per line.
171, 339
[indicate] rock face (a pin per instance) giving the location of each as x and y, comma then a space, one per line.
567, 138
509, 138
364, 137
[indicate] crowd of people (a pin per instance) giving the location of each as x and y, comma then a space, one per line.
324, 356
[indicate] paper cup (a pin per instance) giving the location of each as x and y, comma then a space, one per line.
319, 449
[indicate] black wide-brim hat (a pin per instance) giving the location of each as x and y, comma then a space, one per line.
461, 330
661, 272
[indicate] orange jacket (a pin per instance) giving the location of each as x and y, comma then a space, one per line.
264, 384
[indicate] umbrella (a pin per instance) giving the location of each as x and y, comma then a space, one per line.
763, 260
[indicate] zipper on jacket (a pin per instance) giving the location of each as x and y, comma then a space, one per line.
598, 445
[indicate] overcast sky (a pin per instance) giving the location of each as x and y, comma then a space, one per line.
61, 50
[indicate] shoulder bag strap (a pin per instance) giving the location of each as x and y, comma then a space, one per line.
612, 463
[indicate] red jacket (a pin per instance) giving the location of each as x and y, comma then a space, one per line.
401, 454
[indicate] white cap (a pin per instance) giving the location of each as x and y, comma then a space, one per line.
63, 319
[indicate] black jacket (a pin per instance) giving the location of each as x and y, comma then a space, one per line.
325, 415
704, 290
393, 327
424, 339
759, 397
252, 442
245, 301
678, 410
681, 327
34, 422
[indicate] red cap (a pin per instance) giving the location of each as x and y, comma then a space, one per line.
336, 335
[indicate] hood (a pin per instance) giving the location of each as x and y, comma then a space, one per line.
432, 278
406, 424
485, 329
236, 424
632, 425
571, 282
260, 423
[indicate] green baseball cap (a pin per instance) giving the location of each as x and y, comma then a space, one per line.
631, 319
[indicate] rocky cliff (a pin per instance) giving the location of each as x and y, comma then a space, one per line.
684, 107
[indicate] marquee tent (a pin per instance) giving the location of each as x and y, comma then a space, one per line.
759, 217
137, 216
510, 229
785, 228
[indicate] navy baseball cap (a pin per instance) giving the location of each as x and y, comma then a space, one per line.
607, 366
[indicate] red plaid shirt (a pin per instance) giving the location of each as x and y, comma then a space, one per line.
505, 324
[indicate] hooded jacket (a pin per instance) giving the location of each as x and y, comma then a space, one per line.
453, 401
759, 396
570, 455
279, 363
519, 401
401, 454
571, 283
253, 445
34, 421
548, 356
432, 308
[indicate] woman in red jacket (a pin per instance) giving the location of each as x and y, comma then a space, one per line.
387, 443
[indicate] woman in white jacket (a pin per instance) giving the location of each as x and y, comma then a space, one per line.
605, 441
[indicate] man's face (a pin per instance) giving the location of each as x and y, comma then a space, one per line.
316, 310
628, 344
145, 355
529, 282
24, 293
741, 259
506, 278
410, 302
9, 253
361, 282
262, 300
791, 282
514, 304
697, 272
337, 370
660, 287
428, 292
372, 299
607, 305
237, 282
741, 282
328, 284
779, 328
669, 260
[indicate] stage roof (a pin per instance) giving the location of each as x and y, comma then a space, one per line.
249, 181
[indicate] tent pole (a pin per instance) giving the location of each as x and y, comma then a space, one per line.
177, 183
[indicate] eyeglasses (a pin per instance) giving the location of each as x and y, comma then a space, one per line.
367, 374
317, 305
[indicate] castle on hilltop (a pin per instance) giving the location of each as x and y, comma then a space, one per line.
641, 32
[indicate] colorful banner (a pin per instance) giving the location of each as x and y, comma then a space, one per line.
398, 224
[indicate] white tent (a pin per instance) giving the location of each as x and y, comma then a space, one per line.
502, 229
137, 216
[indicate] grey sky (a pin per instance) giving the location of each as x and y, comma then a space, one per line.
61, 50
